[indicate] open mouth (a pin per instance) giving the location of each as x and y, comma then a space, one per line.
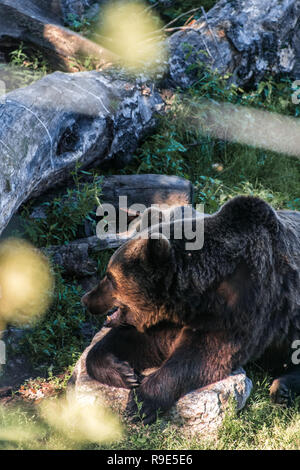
113, 316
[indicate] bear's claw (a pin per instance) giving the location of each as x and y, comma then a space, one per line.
130, 377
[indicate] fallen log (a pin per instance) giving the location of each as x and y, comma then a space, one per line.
40, 24
146, 190
75, 258
63, 119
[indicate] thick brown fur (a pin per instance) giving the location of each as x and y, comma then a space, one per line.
199, 314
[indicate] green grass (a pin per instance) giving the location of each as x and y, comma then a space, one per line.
24, 68
56, 340
27, 58
64, 215
219, 169
260, 425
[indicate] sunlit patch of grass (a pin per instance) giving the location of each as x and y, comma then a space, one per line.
260, 425
221, 169
57, 423
81, 422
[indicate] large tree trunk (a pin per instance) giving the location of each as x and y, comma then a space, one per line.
39, 23
246, 38
63, 119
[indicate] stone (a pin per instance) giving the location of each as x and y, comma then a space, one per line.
200, 411
90, 118
203, 410
245, 38
17, 367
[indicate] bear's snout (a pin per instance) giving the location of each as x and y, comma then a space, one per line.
98, 300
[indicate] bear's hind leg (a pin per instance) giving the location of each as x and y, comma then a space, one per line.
285, 388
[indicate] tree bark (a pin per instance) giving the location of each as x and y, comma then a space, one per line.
147, 189
39, 23
63, 119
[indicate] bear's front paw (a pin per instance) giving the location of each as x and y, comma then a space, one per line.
130, 377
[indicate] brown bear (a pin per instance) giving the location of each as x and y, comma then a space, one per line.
196, 315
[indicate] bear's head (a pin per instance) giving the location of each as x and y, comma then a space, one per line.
133, 288
152, 278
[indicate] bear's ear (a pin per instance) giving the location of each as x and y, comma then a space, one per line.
155, 249
158, 248
244, 212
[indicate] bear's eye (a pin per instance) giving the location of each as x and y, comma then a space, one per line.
111, 278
